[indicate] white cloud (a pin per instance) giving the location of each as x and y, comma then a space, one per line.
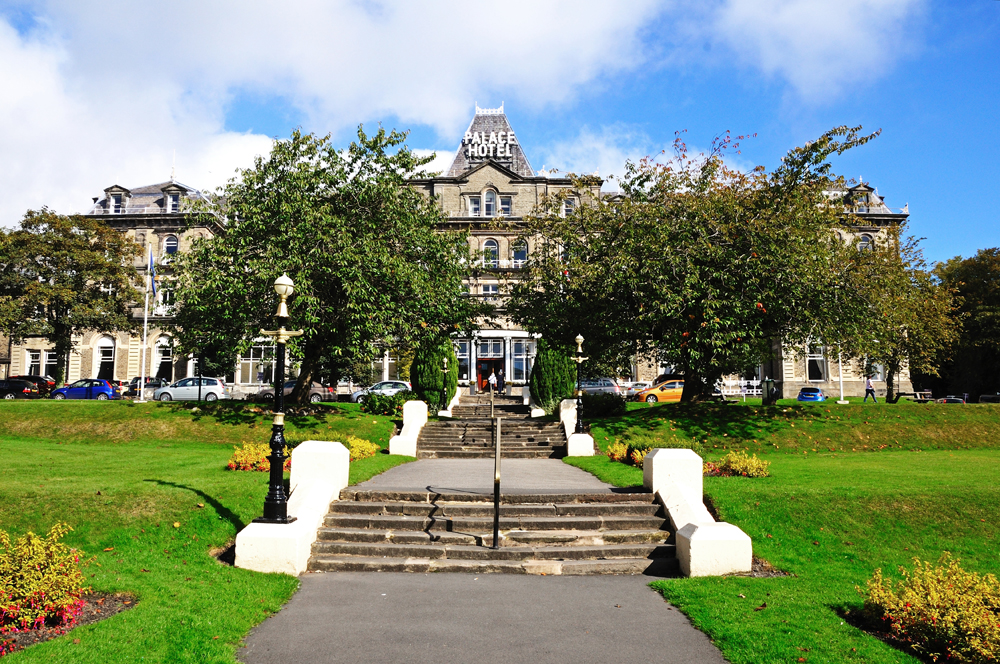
603, 152
822, 48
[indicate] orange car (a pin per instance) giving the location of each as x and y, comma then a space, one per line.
666, 392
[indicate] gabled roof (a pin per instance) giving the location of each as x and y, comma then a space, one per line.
490, 137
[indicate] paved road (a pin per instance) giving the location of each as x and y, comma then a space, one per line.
456, 618
476, 476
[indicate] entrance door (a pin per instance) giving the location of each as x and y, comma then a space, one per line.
484, 368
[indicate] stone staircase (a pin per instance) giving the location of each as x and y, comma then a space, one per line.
420, 531
470, 434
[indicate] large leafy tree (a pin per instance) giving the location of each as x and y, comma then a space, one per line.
698, 263
62, 275
363, 248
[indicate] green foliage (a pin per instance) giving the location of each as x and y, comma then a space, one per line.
361, 245
62, 275
603, 405
939, 610
698, 264
738, 463
40, 581
390, 405
553, 376
430, 382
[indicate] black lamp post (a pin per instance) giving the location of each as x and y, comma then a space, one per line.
276, 501
579, 359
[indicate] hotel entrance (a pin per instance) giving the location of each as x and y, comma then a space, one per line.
489, 359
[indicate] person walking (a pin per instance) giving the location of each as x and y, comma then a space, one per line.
492, 380
869, 390
500, 381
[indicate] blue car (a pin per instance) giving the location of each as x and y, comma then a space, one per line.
811, 394
88, 388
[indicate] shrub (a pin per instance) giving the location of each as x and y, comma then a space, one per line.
738, 463
939, 610
617, 451
638, 456
553, 376
360, 448
382, 404
603, 405
430, 383
253, 456
40, 581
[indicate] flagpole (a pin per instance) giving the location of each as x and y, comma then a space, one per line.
145, 331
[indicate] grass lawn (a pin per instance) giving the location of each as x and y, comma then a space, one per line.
144, 487
927, 482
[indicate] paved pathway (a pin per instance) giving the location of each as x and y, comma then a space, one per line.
476, 476
497, 618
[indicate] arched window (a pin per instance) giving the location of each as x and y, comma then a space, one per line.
491, 253
164, 359
490, 203
519, 252
170, 245
105, 358
865, 242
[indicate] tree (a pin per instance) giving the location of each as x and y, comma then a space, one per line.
430, 381
362, 247
911, 314
696, 263
553, 376
62, 275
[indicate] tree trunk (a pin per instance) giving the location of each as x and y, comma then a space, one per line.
891, 369
62, 342
303, 384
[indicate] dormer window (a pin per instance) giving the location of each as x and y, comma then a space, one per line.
174, 203
491, 203
117, 205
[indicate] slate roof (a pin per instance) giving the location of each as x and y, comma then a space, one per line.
490, 128
147, 198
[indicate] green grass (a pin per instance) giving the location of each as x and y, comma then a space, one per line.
829, 518
122, 475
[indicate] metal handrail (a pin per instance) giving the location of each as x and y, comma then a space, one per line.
496, 486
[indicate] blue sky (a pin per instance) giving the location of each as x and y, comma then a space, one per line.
105, 92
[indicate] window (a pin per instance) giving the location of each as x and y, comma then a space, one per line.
257, 365
474, 206
491, 291
166, 293
116, 203
523, 350
34, 362
51, 363
816, 363
174, 203
463, 360
170, 245
505, 205
163, 360
568, 206
519, 252
106, 358
490, 206
865, 242
491, 253
490, 348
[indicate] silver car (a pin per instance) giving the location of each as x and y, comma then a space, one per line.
386, 387
634, 388
600, 386
186, 389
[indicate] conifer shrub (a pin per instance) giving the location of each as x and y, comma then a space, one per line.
553, 376
430, 383
940, 610
253, 456
40, 581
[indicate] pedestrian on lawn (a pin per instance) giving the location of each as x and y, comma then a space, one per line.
869, 390
492, 380
500, 381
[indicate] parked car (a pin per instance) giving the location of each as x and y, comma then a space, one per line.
669, 391
951, 398
45, 384
14, 388
386, 387
600, 386
186, 389
634, 388
151, 383
88, 388
989, 398
317, 392
811, 394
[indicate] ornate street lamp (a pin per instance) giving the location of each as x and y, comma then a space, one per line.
276, 501
579, 359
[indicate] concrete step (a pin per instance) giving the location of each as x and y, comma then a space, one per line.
511, 538
484, 524
469, 552
479, 454
402, 508
369, 495
652, 567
